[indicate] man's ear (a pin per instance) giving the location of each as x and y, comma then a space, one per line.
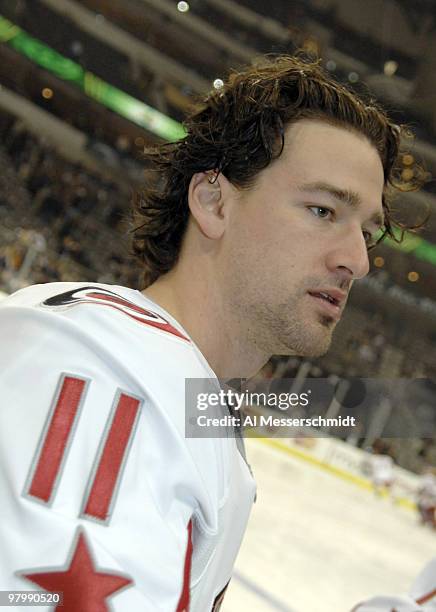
208, 202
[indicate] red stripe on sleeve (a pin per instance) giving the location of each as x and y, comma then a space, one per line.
183, 605
426, 598
56, 439
112, 457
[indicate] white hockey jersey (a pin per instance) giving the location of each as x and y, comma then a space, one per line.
421, 596
102, 496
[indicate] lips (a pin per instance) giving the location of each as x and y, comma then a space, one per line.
325, 296
330, 300
331, 294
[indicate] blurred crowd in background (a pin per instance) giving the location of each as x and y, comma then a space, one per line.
57, 221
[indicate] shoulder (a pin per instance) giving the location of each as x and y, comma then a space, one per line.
77, 300
118, 319
105, 332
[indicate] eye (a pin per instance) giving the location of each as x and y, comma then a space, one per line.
369, 239
322, 212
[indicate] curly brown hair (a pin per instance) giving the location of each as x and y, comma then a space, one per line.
238, 130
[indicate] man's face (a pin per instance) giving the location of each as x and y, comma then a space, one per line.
297, 240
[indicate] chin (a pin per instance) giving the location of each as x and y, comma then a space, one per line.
308, 344
318, 351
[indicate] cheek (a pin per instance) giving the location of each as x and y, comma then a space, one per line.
272, 240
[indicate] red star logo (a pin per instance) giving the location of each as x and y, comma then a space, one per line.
84, 587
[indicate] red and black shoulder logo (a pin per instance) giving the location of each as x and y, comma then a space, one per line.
104, 297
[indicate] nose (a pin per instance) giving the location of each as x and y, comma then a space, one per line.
348, 256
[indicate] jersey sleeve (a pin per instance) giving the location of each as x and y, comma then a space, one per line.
421, 596
98, 489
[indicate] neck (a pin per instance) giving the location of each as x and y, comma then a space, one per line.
198, 305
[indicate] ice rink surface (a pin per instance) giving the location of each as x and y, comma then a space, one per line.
317, 543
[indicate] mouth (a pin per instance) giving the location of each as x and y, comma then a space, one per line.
331, 302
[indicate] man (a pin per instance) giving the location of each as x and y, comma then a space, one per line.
250, 237
426, 497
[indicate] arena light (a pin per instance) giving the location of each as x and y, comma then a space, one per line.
390, 68
407, 159
413, 277
183, 7
113, 98
407, 174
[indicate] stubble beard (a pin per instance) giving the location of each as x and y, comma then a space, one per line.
308, 339
291, 327
288, 330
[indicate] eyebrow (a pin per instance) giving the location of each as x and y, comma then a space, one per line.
346, 196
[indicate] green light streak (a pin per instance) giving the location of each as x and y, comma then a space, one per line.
113, 98
417, 246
